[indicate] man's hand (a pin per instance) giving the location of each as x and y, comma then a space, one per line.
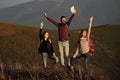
41, 24
73, 10
45, 14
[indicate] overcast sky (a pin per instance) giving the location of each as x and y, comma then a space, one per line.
8, 3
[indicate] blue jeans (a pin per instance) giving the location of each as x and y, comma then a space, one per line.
64, 47
45, 56
87, 60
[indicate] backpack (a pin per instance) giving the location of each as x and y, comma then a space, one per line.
92, 48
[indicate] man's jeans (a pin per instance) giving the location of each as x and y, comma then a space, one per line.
64, 47
45, 56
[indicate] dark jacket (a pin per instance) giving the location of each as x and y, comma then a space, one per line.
45, 45
63, 29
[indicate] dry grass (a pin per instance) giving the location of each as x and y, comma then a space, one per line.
19, 45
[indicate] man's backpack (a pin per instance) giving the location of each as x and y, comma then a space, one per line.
92, 48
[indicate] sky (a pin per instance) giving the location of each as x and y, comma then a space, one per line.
9, 3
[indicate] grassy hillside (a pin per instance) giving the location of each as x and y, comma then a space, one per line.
19, 44
107, 40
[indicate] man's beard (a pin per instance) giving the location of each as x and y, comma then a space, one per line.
64, 22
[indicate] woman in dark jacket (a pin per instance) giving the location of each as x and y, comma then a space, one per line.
46, 48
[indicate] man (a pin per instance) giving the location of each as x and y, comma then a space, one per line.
63, 35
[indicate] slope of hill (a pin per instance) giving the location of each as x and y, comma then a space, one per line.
31, 13
19, 44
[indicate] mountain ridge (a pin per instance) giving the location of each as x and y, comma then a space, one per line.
31, 13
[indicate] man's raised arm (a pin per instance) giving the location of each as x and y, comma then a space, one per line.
72, 16
50, 19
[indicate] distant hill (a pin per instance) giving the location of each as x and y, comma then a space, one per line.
19, 44
31, 13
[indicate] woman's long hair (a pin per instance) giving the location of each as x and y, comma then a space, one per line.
81, 34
